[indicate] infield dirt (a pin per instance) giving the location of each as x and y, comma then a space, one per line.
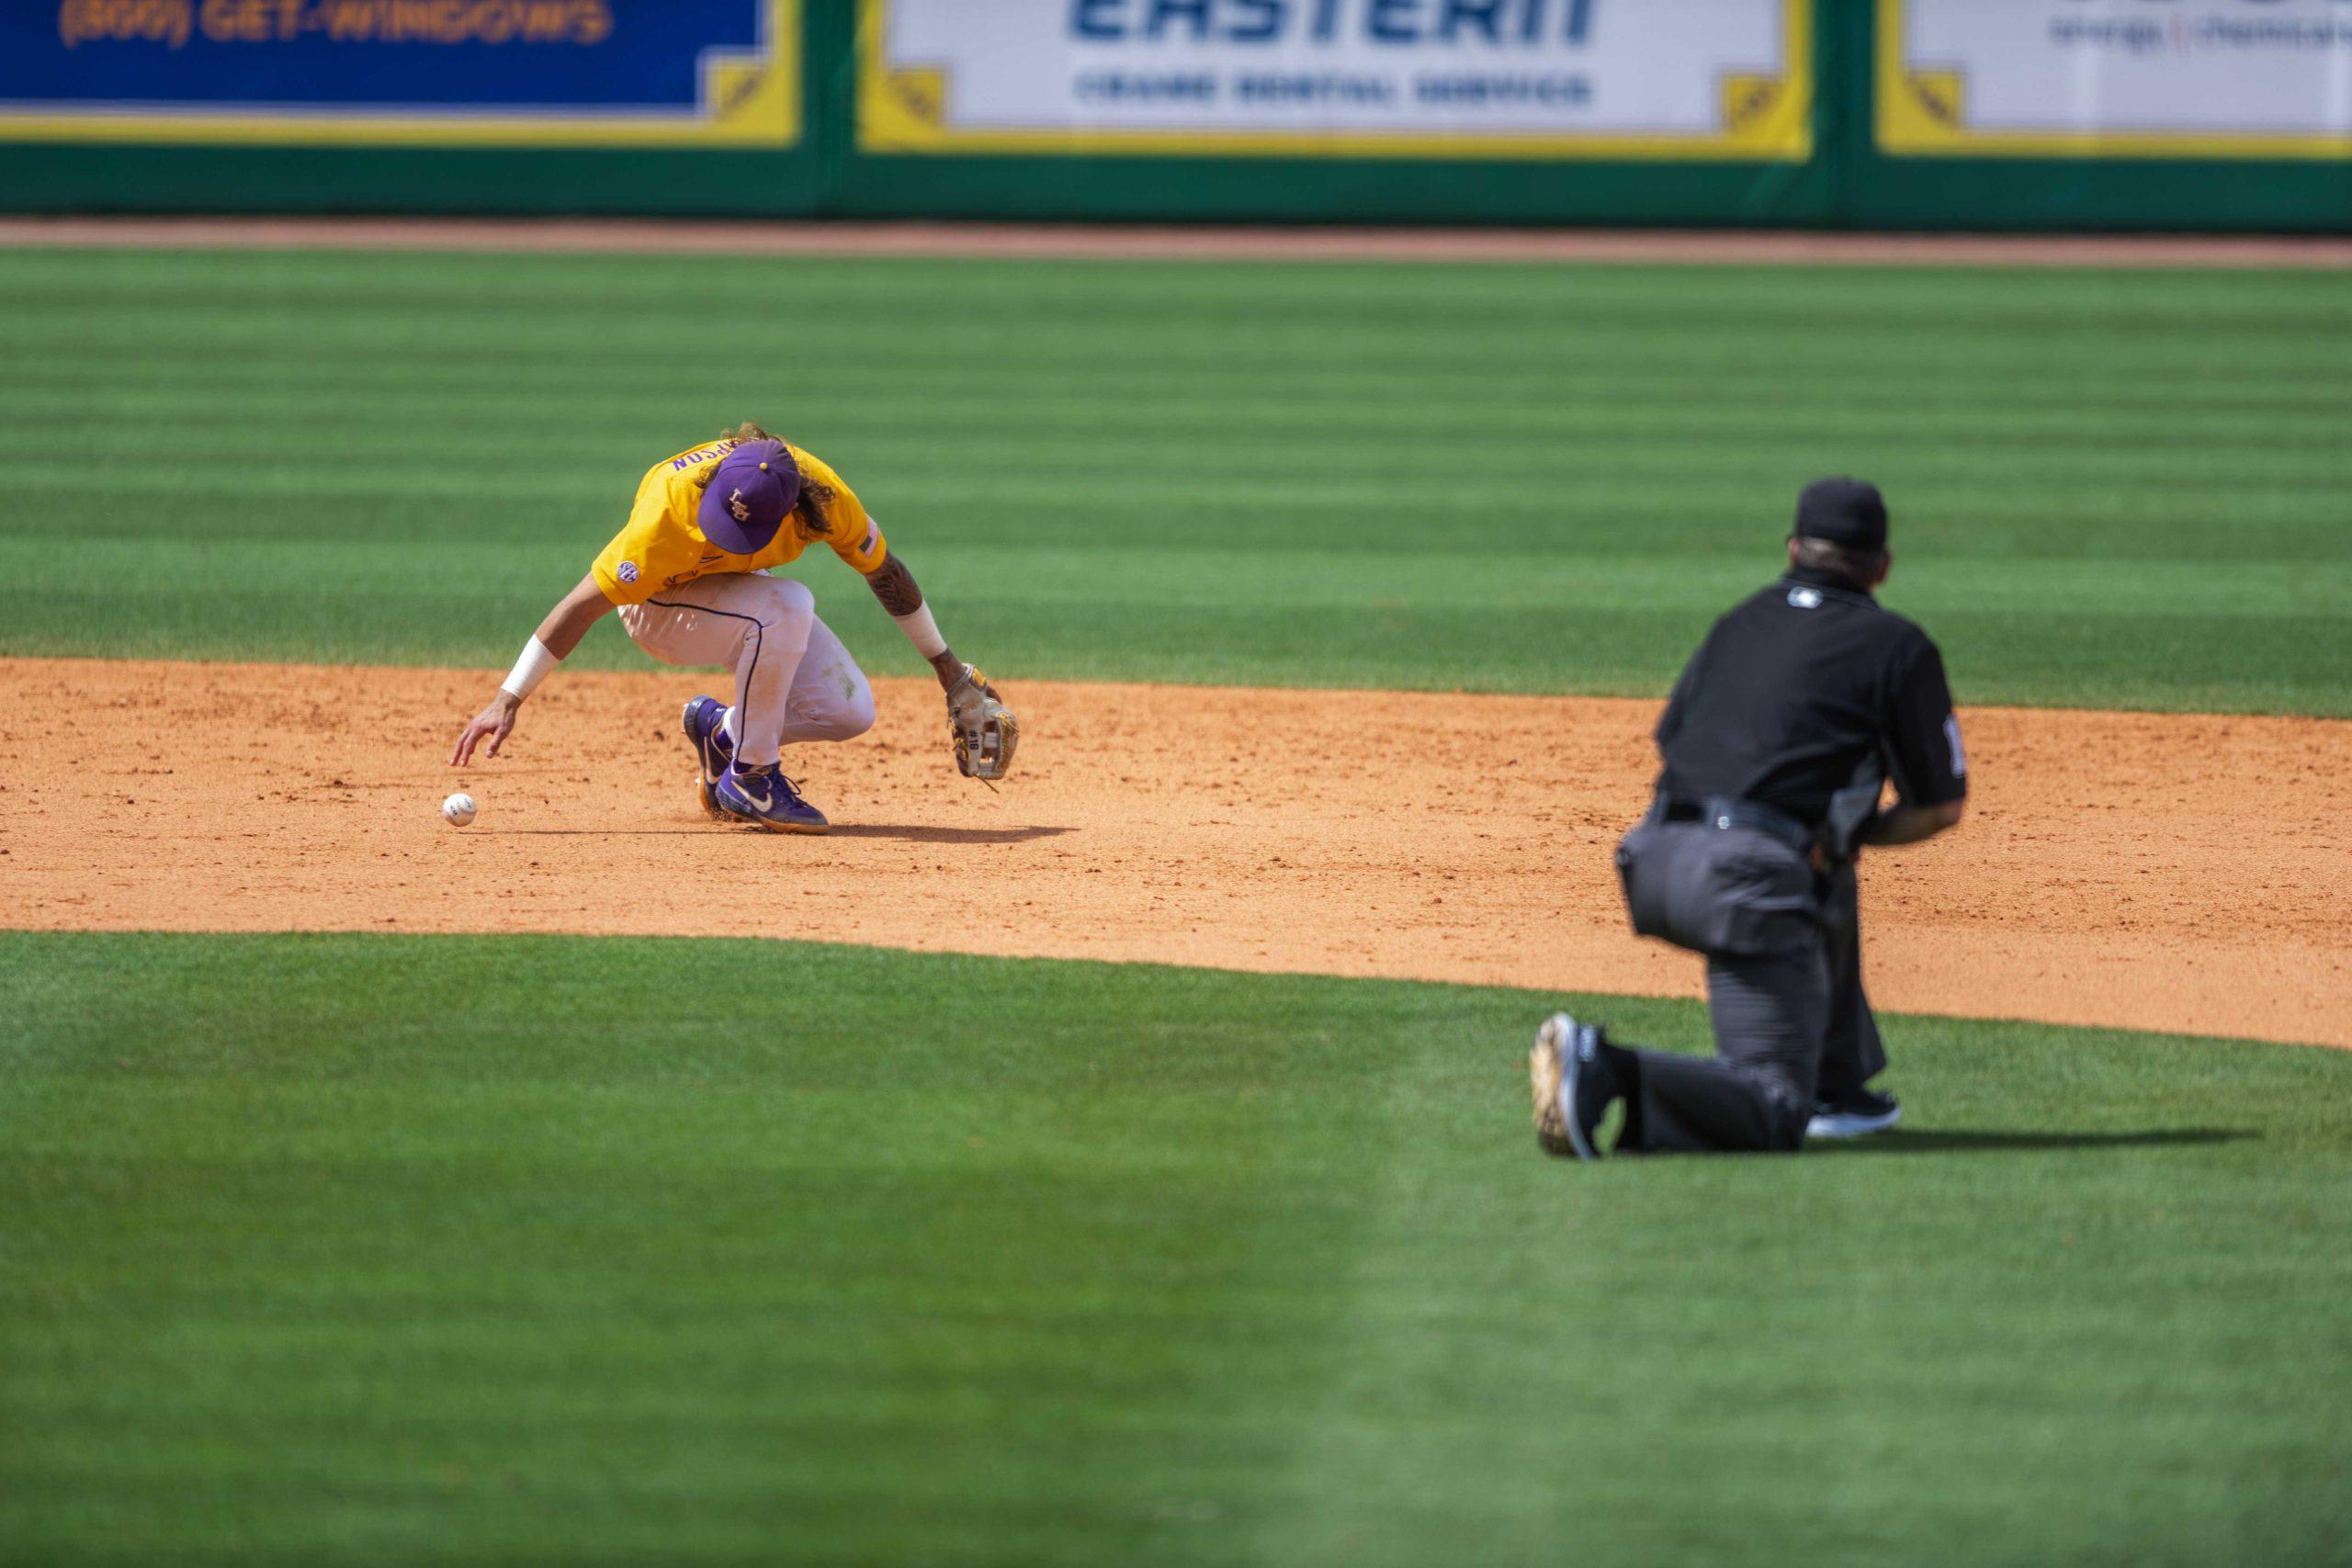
2160, 871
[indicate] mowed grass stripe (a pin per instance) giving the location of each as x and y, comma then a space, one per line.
1194, 623
346, 1248
1072, 453
2222, 410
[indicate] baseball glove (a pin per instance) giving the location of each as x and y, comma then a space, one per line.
985, 730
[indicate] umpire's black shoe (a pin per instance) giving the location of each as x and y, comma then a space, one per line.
1857, 1114
1573, 1085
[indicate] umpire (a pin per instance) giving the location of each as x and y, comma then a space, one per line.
1802, 703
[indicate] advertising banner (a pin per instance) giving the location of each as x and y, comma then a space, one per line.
1552, 79
2128, 78
418, 72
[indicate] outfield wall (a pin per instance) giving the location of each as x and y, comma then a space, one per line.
1963, 114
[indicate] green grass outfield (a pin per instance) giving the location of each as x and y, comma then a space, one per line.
2113, 489
347, 1249
638, 1251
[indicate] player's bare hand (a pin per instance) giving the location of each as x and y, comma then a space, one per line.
496, 721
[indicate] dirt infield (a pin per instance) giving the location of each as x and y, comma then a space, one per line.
1147, 242
2143, 871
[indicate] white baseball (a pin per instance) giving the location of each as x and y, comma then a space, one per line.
459, 809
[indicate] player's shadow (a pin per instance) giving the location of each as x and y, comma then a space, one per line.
839, 830
944, 835
1901, 1141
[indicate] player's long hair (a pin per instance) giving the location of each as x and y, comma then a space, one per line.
816, 503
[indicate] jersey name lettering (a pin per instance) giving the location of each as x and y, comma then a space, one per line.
701, 456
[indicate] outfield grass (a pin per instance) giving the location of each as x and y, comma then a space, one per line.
330, 1249
2124, 489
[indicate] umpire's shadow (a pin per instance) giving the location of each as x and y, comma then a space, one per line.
1899, 1142
944, 835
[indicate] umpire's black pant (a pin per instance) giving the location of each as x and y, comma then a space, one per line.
1784, 986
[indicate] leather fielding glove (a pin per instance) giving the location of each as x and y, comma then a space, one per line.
985, 730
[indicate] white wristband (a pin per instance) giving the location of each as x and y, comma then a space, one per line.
529, 670
923, 631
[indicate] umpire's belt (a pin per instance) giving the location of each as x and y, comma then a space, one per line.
1726, 811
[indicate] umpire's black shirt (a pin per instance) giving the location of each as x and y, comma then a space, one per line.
1797, 689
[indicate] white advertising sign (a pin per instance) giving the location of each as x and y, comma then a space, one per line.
2224, 78
1536, 78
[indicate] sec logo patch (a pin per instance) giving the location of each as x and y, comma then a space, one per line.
628, 572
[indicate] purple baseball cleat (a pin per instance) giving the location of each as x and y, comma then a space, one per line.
706, 732
766, 798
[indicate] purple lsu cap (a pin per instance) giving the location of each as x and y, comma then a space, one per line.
748, 496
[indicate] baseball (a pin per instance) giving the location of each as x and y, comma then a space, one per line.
459, 809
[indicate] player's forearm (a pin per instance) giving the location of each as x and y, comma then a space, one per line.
557, 636
1910, 824
569, 620
900, 596
896, 587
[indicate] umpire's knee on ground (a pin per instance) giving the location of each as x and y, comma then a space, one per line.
1753, 903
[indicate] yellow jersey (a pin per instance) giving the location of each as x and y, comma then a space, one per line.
659, 547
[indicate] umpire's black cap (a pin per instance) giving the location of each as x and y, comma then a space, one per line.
1844, 512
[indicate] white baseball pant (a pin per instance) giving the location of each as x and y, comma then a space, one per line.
793, 681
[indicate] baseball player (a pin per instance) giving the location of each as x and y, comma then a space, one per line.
688, 573
1805, 701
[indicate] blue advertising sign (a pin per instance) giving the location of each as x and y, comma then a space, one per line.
440, 72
